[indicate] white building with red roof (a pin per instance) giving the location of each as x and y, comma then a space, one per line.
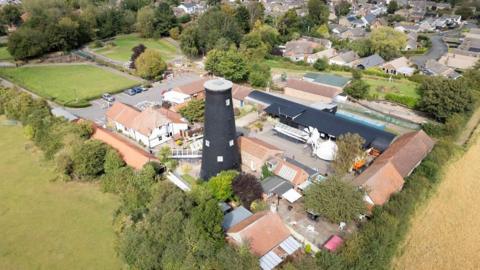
150, 127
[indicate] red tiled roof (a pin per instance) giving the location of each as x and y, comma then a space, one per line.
407, 151
380, 181
284, 167
133, 155
142, 121
257, 147
240, 92
313, 88
192, 88
263, 231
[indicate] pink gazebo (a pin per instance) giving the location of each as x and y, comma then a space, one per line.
333, 243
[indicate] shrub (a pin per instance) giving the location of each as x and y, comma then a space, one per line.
321, 64
88, 160
404, 100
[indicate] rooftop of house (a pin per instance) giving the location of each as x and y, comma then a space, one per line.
407, 151
192, 88
235, 216
328, 53
397, 63
263, 231
142, 121
239, 92
458, 61
327, 79
380, 181
257, 148
313, 88
275, 185
370, 61
439, 69
290, 171
346, 57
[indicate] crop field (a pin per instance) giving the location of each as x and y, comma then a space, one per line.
124, 44
68, 84
445, 235
45, 224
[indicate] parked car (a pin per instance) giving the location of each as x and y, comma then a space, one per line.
108, 97
130, 92
137, 89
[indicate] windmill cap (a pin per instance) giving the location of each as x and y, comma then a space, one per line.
218, 85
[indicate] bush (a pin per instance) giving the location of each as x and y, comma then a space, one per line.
88, 160
321, 64
404, 100
357, 89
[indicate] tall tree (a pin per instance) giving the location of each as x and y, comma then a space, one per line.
392, 7
150, 64
146, 21
318, 12
10, 14
387, 42
221, 185
335, 200
136, 52
230, 64
442, 98
243, 18
247, 188
164, 19
349, 148
256, 11
342, 8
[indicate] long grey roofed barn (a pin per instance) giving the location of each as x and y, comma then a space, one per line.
301, 116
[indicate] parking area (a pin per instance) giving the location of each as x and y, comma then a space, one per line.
96, 112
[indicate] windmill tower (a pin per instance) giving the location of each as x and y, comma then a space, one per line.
220, 149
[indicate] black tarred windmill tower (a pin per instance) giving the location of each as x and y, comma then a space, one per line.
220, 149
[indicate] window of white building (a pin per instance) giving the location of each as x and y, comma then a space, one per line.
219, 158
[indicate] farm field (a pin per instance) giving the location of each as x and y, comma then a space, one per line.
124, 44
50, 225
445, 235
4, 54
68, 84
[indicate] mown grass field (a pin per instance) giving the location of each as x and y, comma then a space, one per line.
68, 84
445, 234
4, 54
280, 65
124, 44
382, 86
50, 225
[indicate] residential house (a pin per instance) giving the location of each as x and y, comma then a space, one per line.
133, 155
150, 127
326, 79
184, 93
239, 93
353, 34
469, 46
337, 29
267, 237
255, 153
458, 61
398, 66
344, 59
373, 60
189, 8
473, 33
434, 68
234, 217
385, 176
300, 49
407, 28
290, 170
275, 186
325, 54
411, 41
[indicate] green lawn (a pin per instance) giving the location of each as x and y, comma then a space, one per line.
69, 84
124, 44
4, 54
383, 86
281, 64
50, 225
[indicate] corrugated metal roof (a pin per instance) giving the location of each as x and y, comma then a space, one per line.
270, 261
290, 245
